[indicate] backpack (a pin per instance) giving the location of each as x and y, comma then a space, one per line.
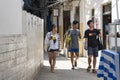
99, 43
68, 38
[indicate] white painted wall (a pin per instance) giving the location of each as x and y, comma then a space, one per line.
93, 4
114, 14
10, 17
97, 5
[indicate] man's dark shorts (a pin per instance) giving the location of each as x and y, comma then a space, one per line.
93, 51
74, 50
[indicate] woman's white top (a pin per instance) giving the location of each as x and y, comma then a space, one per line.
50, 43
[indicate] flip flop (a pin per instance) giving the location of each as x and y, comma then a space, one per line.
88, 69
94, 71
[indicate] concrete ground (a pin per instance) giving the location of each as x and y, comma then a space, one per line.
63, 70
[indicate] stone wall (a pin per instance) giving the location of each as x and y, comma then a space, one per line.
13, 57
33, 29
21, 55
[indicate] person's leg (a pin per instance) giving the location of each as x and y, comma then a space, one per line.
77, 56
94, 62
72, 59
90, 52
54, 60
95, 55
89, 60
50, 60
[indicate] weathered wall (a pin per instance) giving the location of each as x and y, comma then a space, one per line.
33, 28
21, 55
13, 57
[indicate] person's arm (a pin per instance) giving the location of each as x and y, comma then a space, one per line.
66, 33
86, 40
79, 35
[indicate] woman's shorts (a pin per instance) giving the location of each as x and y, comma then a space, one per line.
52, 50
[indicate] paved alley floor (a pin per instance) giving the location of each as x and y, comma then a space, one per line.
63, 70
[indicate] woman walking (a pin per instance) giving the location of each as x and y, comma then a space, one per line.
53, 42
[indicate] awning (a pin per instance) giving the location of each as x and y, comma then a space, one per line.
56, 3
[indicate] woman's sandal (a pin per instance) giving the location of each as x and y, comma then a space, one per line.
94, 71
52, 70
88, 69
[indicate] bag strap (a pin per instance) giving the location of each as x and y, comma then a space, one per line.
69, 32
100, 39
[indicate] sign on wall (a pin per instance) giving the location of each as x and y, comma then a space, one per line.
55, 12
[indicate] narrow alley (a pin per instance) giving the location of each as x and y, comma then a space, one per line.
86, 27
63, 70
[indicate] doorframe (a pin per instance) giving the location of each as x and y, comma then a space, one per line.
107, 13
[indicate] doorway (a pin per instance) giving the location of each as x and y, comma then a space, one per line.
106, 20
66, 21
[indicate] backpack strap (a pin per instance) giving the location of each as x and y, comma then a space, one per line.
69, 32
